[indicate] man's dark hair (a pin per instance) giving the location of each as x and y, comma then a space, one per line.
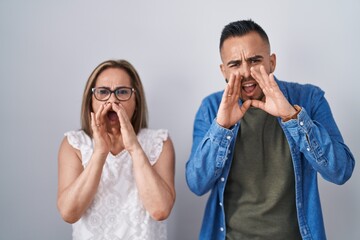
240, 28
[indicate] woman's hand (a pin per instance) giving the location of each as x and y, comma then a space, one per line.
155, 183
102, 141
128, 135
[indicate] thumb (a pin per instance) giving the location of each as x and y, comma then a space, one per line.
246, 105
258, 104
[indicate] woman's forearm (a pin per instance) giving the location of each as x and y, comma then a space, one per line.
156, 192
76, 198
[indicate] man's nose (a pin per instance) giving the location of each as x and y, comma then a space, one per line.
245, 70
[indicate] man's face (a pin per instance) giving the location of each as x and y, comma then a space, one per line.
239, 54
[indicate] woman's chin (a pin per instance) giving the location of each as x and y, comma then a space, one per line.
113, 123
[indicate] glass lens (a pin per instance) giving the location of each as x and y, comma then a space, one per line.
123, 93
102, 93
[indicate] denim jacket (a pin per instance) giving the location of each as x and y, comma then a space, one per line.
315, 143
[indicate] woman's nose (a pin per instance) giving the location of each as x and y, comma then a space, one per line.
113, 98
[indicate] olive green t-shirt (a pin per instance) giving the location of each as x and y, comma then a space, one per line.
259, 198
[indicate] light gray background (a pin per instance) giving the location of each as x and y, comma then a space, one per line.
49, 48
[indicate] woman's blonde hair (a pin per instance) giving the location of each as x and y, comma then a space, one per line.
140, 117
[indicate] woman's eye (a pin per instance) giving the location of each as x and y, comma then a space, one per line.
122, 91
103, 92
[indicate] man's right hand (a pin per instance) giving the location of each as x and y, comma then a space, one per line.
230, 112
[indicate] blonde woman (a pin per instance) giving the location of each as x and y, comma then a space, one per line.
116, 176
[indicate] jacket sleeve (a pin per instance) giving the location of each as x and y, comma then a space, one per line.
317, 136
209, 152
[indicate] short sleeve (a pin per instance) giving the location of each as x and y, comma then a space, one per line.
152, 142
80, 141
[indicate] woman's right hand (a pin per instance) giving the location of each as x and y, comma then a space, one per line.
78, 185
102, 141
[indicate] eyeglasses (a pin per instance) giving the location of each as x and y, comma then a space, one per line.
121, 93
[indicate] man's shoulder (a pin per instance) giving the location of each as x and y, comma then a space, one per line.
297, 86
215, 96
212, 100
304, 94
211, 103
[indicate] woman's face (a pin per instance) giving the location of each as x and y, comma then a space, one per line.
113, 78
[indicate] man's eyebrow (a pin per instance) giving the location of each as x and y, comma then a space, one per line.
255, 57
233, 62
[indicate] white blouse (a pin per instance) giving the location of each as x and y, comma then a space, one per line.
116, 211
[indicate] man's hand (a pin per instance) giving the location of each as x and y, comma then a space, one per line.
275, 102
230, 112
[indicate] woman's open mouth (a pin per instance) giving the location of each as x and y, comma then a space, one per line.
112, 116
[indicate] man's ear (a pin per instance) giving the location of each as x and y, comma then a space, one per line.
222, 69
272, 62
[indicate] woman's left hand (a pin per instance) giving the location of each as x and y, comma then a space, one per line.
155, 183
128, 135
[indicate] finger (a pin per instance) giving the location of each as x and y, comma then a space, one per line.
272, 80
230, 85
263, 73
258, 104
257, 76
271, 85
116, 108
120, 111
266, 77
98, 115
232, 90
227, 91
95, 125
245, 106
125, 124
93, 122
105, 110
237, 87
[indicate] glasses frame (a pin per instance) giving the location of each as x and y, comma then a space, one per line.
112, 92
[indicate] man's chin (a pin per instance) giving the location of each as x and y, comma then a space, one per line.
260, 97
255, 95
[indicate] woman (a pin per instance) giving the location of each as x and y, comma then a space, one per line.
116, 177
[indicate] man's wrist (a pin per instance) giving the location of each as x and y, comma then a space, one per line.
222, 124
292, 116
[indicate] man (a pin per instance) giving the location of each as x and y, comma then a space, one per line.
259, 145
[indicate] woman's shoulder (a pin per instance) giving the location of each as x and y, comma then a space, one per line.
78, 139
147, 133
152, 142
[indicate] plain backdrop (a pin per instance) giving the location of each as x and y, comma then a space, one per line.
49, 48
